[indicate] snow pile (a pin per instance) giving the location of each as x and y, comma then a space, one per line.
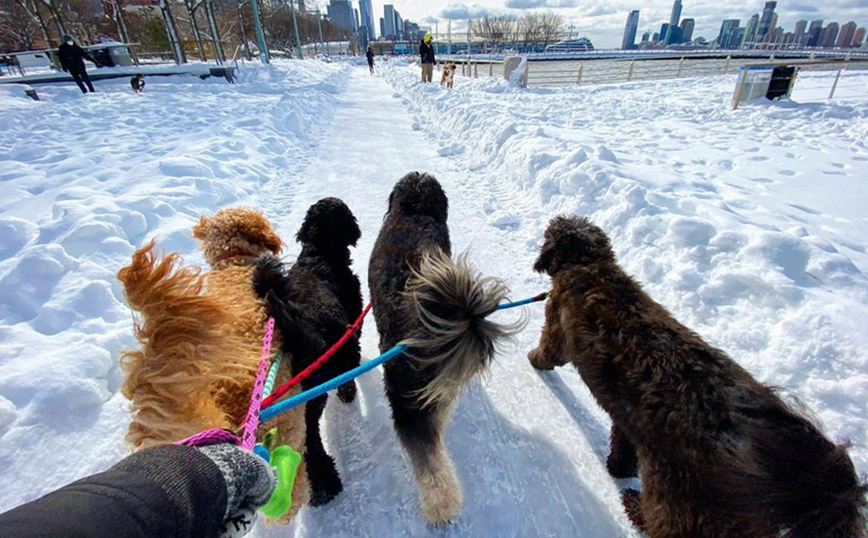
748, 225
86, 180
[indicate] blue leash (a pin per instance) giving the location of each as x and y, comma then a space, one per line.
294, 401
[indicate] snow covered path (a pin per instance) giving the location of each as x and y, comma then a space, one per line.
528, 450
748, 226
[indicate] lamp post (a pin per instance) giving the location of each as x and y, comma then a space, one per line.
260, 36
298, 52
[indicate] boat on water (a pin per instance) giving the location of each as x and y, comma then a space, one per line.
582, 44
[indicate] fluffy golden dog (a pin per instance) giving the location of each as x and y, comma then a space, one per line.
447, 77
720, 454
200, 335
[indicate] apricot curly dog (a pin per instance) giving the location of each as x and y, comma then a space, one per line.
720, 455
200, 335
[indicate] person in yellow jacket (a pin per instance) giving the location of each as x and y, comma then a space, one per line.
426, 50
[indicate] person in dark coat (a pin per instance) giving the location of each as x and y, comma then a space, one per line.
170, 491
426, 50
72, 61
370, 56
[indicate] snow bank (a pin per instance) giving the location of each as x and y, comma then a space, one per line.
86, 180
749, 226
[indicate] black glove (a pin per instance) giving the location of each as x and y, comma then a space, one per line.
250, 482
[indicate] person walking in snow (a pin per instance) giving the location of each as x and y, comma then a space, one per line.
426, 51
370, 56
72, 61
170, 491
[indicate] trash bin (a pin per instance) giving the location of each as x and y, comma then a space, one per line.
782, 82
120, 55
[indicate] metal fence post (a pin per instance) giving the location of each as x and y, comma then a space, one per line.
491, 69
680, 67
476, 70
726, 65
630, 72
581, 68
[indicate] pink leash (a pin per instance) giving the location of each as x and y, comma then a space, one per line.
251, 422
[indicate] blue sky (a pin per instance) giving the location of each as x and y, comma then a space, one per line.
603, 21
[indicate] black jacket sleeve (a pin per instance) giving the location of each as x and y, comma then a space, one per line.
167, 491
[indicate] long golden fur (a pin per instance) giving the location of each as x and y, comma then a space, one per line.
200, 335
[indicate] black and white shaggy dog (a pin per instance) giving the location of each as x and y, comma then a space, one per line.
312, 305
137, 83
720, 454
439, 308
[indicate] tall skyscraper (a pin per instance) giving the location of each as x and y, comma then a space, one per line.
750, 31
766, 23
366, 13
845, 38
859, 37
687, 26
646, 37
382, 27
799, 34
673, 22
815, 31
341, 14
830, 34
629, 41
389, 21
728, 30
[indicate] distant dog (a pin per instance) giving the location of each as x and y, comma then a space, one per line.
720, 455
312, 305
200, 336
447, 77
137, 82
439, 308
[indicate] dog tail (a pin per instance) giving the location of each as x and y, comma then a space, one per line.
452, 302
831, 499
184, 353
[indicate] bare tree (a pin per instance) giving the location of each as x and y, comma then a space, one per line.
495, 30
530, 28
18, 29
550, 27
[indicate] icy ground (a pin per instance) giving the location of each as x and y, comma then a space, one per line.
749, 226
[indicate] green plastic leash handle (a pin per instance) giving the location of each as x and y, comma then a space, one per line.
286, 461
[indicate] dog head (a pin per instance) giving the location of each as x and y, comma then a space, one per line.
237, 235
571, 241
449, 69
329, 223
419, 194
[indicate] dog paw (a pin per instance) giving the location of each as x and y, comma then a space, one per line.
323, 497
633, 509
347, 392
325, 482
441, 500
538, 361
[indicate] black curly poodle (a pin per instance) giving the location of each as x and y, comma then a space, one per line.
312, 304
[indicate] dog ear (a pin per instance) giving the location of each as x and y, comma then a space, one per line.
271, 240
329, 223
200, 230
572, 241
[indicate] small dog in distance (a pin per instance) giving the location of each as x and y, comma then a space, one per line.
448, 76
137, 82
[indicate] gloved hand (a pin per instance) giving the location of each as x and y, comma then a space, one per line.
250, 481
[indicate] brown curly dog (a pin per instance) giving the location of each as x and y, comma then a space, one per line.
200, 335
720, 455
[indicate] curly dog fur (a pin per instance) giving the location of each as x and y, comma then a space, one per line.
438, 308
720, 455
200, 334
312, 305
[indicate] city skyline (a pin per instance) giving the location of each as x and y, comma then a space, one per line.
604, 23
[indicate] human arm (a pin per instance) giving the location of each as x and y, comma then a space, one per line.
167, 491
